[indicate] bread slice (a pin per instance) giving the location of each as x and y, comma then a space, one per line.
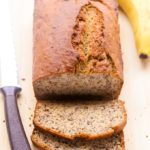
76, 49
48, 141
87, 119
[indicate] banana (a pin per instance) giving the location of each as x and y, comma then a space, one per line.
138, 12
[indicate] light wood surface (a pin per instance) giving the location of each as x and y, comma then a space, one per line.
135, 92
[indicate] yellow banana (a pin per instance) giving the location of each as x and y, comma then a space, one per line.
138, 12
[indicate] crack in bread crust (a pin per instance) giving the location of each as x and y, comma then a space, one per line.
88, 38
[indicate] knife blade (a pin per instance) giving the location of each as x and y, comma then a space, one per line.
9, 82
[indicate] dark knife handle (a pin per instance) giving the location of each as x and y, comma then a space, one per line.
17, 136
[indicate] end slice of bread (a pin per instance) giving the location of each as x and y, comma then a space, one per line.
48, 141
87, 119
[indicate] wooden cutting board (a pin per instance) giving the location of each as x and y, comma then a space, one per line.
135, 92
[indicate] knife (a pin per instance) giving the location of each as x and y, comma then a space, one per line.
9, 82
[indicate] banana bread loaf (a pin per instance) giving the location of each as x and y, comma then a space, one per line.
86, 119
76, 48
48, 141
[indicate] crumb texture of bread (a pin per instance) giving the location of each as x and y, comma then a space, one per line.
87, 119
76, 49
47, 141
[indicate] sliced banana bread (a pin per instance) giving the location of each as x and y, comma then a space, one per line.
76, 48
88, 119
48, 141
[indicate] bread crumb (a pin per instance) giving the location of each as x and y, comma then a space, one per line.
23, 79
146, 136
4, 121
30, 125
31, 115
29, 118
29, 108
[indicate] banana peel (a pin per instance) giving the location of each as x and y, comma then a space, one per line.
138, 12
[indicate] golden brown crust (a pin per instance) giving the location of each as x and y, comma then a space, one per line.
44, 147
53, 31
112, 47
111, 4
53, 51
123, 140
114, 130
